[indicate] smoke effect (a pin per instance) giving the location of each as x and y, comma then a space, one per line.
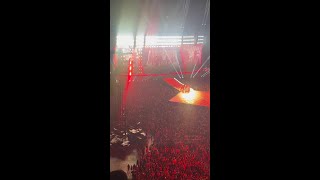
118, 164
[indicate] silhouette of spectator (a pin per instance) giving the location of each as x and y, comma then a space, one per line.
118, 175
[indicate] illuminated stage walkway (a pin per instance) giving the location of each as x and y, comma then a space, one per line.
198, 98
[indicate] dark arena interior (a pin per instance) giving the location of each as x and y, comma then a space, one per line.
160, 89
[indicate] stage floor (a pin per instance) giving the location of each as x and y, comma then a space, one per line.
197, 98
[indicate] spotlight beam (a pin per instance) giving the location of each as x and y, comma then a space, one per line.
201, 66
178, 63
193, 69
148, 57
208, 10
205, 13
171, 62
206, 74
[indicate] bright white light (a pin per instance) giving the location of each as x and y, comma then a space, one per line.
124, 41
124, 37
164, 39
191, 96
142, 37
153, 41
165, 36
170, 41
139, 41
188, 40
177, 43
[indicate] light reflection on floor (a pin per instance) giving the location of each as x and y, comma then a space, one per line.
198, 98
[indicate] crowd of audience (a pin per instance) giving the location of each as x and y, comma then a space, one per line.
180, 132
